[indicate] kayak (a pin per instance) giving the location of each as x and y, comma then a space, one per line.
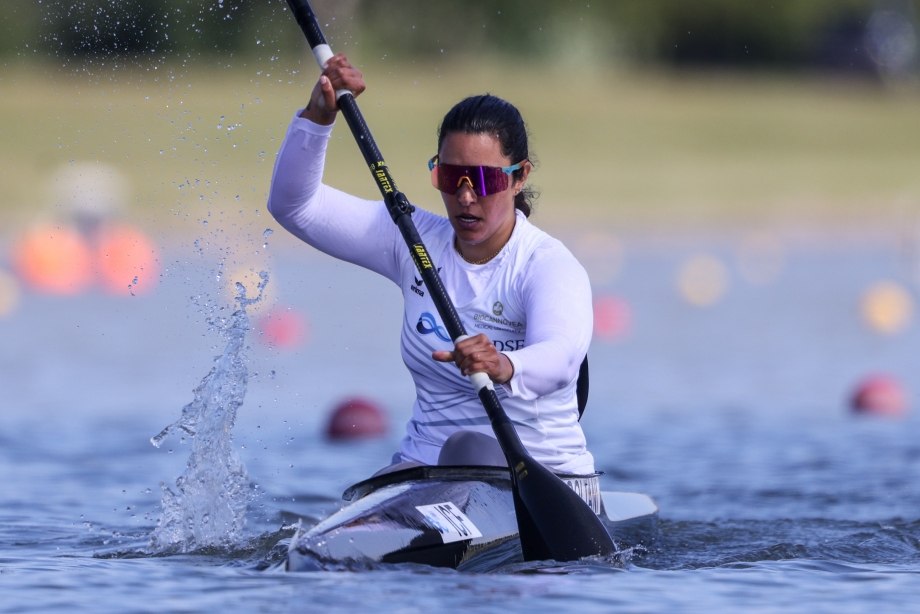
449, 516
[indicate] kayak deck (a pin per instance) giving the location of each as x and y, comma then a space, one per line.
446, 516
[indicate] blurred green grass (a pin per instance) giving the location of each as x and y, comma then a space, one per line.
614, 146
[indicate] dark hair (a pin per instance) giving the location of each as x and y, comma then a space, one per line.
487, 114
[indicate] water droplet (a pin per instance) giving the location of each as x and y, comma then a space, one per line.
268, 232
272, 374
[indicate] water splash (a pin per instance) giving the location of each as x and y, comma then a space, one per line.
208, 508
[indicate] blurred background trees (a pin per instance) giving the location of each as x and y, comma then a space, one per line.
862, 36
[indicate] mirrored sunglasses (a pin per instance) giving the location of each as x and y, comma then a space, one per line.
483, 180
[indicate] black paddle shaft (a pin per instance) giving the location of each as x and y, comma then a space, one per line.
553, 521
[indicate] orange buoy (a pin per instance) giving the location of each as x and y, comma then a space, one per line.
126, 260
284, 329
612, 318
887, 307
53, 259
879, 395
356, 418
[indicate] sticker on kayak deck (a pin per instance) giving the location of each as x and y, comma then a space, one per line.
447, 518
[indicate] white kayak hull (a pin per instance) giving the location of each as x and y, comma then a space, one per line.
448, 517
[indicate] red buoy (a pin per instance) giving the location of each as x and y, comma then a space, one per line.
126, 260
283, 328
612, 318
880, 395
356, 418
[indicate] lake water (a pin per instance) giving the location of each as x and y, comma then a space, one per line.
733, 417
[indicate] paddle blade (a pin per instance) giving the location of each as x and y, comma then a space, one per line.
553, 521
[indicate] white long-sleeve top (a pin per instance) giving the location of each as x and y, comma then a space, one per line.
533, 301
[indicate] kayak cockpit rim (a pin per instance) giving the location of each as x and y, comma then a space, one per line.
445, 473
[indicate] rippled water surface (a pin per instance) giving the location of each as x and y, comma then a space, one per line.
733, 418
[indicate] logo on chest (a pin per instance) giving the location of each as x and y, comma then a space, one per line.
427, 325
417, 286
497, 320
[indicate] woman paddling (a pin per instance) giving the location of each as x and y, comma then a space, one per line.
522, 291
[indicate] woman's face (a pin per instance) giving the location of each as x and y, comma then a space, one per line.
485, 221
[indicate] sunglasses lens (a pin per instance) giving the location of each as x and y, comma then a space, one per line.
484, 180
494, 180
